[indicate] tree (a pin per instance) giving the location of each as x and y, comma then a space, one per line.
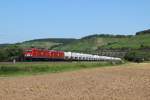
10, 53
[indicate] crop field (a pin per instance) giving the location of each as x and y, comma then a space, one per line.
129, 81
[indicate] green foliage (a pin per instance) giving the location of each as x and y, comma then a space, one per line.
3, 55
11, 52
137, 56
106, 36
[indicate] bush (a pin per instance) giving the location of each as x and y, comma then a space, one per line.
137, 56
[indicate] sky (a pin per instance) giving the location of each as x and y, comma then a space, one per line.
22, 20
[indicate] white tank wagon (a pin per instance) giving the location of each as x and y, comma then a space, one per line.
106, 58
74, 56
67, 55
88, 57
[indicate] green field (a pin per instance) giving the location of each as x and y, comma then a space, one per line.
33, 68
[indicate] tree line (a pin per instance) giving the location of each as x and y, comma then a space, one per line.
11, 52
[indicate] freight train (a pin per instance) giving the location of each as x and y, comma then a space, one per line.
35, 54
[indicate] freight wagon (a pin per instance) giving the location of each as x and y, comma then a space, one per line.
34, 54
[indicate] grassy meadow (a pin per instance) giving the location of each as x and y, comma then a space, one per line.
33, 68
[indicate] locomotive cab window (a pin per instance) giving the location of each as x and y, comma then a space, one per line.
28, 50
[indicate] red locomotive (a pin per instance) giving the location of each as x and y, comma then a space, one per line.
43, 54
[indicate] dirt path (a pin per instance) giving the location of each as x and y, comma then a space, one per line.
127, 82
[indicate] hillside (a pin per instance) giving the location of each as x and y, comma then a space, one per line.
91, 43
4, 45
143, 32
41, 43
95, 42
